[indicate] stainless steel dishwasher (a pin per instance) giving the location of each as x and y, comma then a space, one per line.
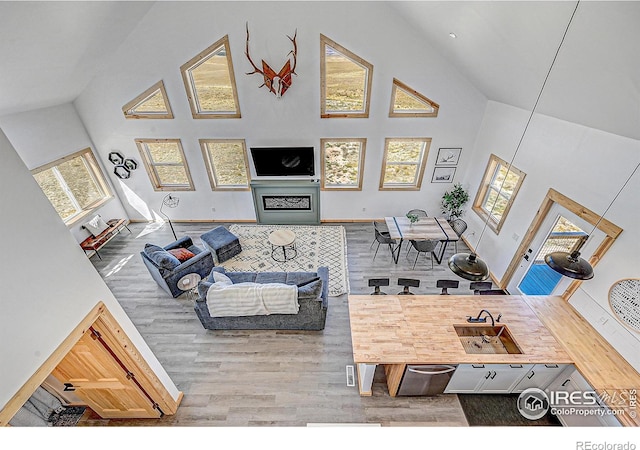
425, 379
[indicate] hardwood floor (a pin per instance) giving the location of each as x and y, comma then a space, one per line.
267, 378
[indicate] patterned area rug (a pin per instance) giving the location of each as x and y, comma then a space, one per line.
316, 246
69, 417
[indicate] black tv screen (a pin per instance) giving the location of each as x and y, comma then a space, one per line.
283, 161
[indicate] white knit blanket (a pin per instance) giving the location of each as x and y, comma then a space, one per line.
252, 299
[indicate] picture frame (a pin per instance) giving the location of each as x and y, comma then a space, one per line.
443, 174
448, 156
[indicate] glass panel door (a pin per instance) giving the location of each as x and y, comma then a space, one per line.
540, 279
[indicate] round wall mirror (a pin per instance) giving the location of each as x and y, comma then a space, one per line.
624, 299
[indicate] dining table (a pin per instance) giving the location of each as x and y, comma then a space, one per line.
425, 228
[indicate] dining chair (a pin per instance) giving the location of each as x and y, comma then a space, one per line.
459, 226
477, 286
426, 246
445, 284
418, 212
382, 227
407, 283
383, 239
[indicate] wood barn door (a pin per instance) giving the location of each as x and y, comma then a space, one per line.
95, 374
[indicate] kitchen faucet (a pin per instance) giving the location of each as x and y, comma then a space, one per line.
483, 319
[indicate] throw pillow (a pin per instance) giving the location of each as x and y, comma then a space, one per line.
96, 226
161, 257
181, 253
218, 269
222, 279
310, 290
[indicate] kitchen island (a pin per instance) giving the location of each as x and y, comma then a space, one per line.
397, 330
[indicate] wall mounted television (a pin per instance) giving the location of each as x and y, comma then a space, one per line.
283, 161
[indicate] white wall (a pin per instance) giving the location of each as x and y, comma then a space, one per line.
588, 166
44, 135
48, 284
173, 32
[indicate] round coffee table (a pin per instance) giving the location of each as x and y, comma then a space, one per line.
189, 283
283, 245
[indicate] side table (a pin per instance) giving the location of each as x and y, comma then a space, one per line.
189, 283
283, 245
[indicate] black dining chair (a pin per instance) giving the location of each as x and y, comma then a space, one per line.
459, 226
407, 283
383, 239
382, 228
426, 246
477, 286
418, 212
446, 284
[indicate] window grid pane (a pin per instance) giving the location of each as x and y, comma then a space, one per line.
212, 84
56, 194
342, 163
228, 164
74, 185
80, 181
346, 83
404, 162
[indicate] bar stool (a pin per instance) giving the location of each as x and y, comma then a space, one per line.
407, 283
445, 284
377, 282
493, 292
478, 286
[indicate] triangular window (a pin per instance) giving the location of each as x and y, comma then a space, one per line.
407, 102
345, 81
151, 104
211, 84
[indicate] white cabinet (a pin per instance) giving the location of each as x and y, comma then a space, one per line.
583, 408
540, 376
486, 378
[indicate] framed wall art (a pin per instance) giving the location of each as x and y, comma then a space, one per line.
448, 156
443, 174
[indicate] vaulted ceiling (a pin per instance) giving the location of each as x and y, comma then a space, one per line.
50, 51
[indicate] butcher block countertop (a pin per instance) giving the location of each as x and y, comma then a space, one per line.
418, 329
598, 362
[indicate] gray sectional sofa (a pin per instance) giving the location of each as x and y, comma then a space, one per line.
312, 298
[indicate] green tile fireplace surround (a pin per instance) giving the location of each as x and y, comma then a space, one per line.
291, 202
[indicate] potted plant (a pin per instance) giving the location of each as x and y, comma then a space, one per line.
413, 218
453, 201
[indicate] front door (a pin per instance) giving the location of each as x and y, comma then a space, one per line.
559, 232
94, 374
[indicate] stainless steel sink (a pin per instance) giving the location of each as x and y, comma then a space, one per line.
487, 339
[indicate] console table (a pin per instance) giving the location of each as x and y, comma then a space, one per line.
286, 202
95, 243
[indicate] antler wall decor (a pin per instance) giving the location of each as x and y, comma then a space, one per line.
278, 83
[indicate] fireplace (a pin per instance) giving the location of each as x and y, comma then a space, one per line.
293, 202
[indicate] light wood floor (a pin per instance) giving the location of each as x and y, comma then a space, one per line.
267, 378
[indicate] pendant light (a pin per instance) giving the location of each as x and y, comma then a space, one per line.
571, 264
468, 265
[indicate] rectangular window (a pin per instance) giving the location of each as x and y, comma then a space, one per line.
166, 164
74, 185
227, 164
404, 163
499, 187
342, 163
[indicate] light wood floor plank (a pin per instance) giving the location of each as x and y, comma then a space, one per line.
267, 378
